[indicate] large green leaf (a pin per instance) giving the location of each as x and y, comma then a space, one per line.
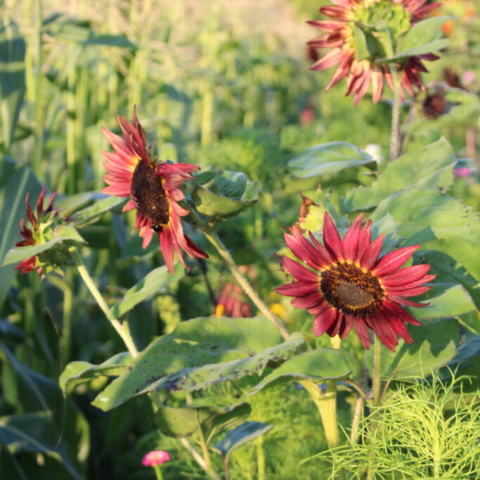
183, 422
12, 78
225, 195
76, 373
423, 215
434, 345
328, 158
200, 353
430, 167
158, 279
241, 435
87, 215
15, 182
61, 234
321, 364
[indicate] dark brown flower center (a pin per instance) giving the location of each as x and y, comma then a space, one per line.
350, 289
149, 195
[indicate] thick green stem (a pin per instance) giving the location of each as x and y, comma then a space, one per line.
122, 329
327, 407
377, 372
245, 284
158, 472
395, 132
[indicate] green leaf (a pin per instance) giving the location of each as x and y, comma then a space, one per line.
388, 227
430, 167
451, 303
85, 216
434, 345
200, 353
328, 158
423, 215
63, 233
468, 351
321, 364
225, 196
12, 78
76, 373
158, 279
183, 422
423, 37
241, 435
361, 44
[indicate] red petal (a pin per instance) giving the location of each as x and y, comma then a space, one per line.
412, 292
405, 275
296, 289
327, 25
304, 250
329, 60
346, 326
331, 238
324, 321
334, 329
394, 260
384, 330
400, 329
351, 239
362, 331
407, 303
308, 301
370, 256
299, 272
409, 286
398, 312
337, 12
364, 240
320, 308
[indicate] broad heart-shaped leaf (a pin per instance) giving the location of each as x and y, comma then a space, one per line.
183, 422
321, 364
156, 280
76, 373
451, 303
430, 167
15, 182
424, 37
241, 435
225, 195
434, 345
85, 216
12, 78
63, 233
200, 353
328, 158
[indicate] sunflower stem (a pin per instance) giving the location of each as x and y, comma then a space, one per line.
245, 284
121, 328
377, 372
327, 407
395, 132
158, 472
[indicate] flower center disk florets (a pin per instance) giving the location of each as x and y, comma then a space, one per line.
355, 292
150, 196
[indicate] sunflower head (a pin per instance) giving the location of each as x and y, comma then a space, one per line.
362, 34
42, 225
345, 283
153, 189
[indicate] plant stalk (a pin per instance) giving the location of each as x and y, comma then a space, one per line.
377, 372
396, 107
245, 284
121, 328
158, 472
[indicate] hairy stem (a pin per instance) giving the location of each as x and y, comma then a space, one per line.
245, 284
377, 372
121, 328
395, 132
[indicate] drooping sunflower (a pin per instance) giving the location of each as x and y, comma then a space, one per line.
364, 21
154, 190
34, 235
347, 284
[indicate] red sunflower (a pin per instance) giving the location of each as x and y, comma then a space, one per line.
154, 190
370, 17
348, 285
36, 234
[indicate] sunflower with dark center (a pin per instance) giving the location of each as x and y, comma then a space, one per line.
356, 35
347, 284
154, 190
39, 233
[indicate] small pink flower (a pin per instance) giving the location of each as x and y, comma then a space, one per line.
461, 172
155, 457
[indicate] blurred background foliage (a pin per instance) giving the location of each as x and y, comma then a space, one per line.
218, 83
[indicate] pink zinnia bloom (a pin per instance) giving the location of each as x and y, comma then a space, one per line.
154, 190
31, 236
461, 172
155, 457
360, 73
232, 303
347, 284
